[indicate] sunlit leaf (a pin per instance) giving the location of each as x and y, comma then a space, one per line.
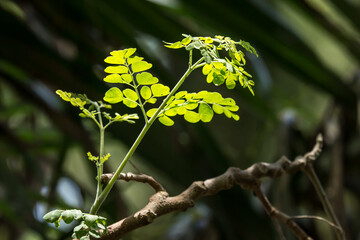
230, 83
146, 78
130, 94
192, 117
53, 216
206, 69
151, 112
129, 52
145, 92
116, 69
205, 112
129, 103
218, 109
113, 95
175, 45
114, 78
160, 90
140, 66
191, 106
115, 60
166, 121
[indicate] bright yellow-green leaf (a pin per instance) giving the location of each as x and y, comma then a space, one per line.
114, 78
186, 40
192, 117
235, 116
146, 78
180, 94
213, 97
233, 108
191, 106
206, 69
227, 113
130, 94
64, 95
171, 112
205, 112
181, 110
134, 59
145, 92
140, 66
151, 112
127, 78
218, 109
129, 103
201, 95
117, 69
118, 53
210, 77
230, 83
152, 100
175, 45
129, 52
166, 121
113, 95
160, 90
115, 60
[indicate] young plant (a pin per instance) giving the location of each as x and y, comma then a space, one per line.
221, 62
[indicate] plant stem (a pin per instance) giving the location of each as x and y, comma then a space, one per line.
98, 202
309, 170
99, 166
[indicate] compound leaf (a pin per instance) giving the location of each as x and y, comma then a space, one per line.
114, 78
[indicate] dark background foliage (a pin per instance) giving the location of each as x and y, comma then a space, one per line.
307, 81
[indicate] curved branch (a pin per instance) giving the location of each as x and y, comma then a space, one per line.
250, 179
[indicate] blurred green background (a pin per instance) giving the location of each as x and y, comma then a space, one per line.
307, 81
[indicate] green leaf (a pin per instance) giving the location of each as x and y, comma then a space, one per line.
230, 83
134, 59
171, 112
205, 112
186, 40
152, 100
218, 109
64, 95
86, 237
115, 60
140, 66
130, 94
146, 78
233, 108
53, 216
227, 102
129, 52
94, 234
210, 77
175, 45
218, 79
213, 97
145, 92
166, 121
235, 116
180, 94
227, 113
114, 78
191, 106
129, 103
117, 69
90, 219
127, 78
160, 90
151, 112
113, 95
181, 110
206, 69
192, 117
69, 215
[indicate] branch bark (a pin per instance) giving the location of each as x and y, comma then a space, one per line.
249, 179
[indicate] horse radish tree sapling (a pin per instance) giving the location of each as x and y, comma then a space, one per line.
221, 62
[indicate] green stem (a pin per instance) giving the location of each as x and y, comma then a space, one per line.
309, 170
99, 166
98, 202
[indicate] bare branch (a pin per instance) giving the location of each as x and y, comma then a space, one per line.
105, 178
250, 179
